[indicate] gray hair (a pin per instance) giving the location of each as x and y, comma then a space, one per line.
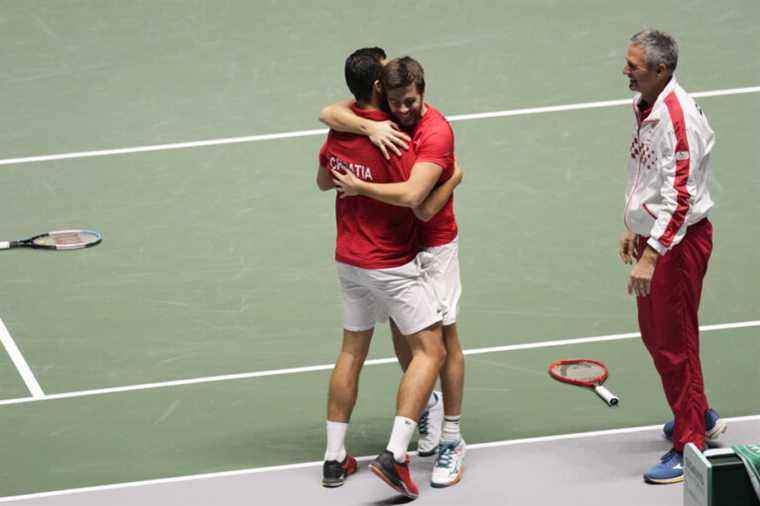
659, 47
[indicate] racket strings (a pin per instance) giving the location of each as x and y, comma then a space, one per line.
580, 371
68, 239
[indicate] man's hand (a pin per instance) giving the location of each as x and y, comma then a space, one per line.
627, 247
346, 184
640, 281
387, 136
458, 174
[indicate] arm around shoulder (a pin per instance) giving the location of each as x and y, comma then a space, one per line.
340, 117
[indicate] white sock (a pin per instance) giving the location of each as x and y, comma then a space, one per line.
403, 428
336, 439
435, 396
451, 430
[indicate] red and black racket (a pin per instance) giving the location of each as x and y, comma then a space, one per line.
584, 372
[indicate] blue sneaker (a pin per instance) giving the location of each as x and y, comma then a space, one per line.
669, 470
714, 426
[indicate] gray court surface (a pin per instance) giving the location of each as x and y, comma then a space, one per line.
587, 469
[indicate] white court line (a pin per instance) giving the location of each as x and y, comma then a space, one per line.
18, 360
327, 367
589, 105
322, 131
288, 467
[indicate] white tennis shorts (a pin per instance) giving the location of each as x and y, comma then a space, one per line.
371, 295
440, 266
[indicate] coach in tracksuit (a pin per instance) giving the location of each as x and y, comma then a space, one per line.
669, 237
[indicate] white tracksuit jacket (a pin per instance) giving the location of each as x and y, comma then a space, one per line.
668, 169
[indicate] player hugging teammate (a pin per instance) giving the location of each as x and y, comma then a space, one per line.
397, 257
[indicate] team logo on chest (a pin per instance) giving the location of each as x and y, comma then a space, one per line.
642, 152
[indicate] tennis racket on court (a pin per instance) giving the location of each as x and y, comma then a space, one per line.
57, 240
584, 372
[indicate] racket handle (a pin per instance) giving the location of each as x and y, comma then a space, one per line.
608, 397
5, 244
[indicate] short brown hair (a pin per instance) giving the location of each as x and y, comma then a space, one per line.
401, 72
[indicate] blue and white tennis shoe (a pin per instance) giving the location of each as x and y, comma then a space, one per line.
669, 470
448, 464
714, 426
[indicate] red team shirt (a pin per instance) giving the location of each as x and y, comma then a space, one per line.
371, 234
433, 141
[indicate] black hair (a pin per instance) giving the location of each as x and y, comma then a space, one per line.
363, 68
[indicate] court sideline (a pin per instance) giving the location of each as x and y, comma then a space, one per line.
592, 469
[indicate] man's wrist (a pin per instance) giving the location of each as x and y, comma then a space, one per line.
361, 187
367, 127
650, 254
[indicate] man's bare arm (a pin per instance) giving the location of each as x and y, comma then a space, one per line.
438, 197
324, 179
410, 193
340, 117
383, 134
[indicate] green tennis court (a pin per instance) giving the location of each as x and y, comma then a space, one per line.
186, 342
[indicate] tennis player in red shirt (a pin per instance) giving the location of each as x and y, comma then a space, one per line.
432, 139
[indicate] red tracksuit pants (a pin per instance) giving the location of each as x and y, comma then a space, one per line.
670, 330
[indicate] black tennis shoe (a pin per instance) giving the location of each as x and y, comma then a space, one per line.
394, 474
334, 473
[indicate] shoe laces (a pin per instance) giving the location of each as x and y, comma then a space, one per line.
445, 455
424, 423
668, 455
